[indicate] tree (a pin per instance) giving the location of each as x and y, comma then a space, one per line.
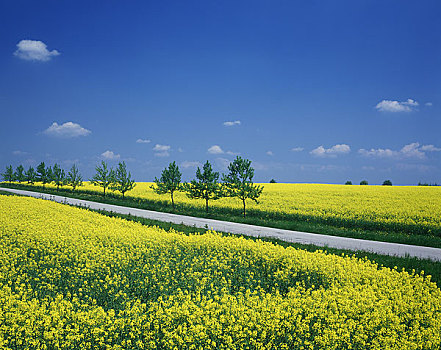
239, 182
272, 181
74, 178
387, 183
19, 174
30, 175
206, 186
170, 182
44, 175
348, 183
122, 182
363, 182
103, 177
58, 176
8, 175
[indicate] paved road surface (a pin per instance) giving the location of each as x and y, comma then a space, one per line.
251, 230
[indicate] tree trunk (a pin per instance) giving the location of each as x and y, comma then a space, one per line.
173, 201
206, 205
104, 192
243, 207
123, 195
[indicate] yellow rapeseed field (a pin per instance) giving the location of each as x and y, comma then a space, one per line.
414, 209
73, 279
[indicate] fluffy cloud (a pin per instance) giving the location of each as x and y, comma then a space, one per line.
269, 153
142, 141
215, 150
430, 148
413, 150
397, 106
429, 104
232, 123
297, 149
110, 155
161, 148
66, 130
330, 152
186, 164
34, 50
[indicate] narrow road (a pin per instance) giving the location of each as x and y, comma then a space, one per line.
383, 248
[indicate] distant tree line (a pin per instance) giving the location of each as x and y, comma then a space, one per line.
116, 180
365, 183
208, 185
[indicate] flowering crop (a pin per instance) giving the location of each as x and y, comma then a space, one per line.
73, 279
406, 209
413, 209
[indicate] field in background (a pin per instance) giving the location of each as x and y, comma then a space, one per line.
405, 209
72, 277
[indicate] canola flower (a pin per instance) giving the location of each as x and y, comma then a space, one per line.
409, 209
73, 279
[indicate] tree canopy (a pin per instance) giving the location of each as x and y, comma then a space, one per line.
122, 180
169, 182
205, 186
239, 182
103, 176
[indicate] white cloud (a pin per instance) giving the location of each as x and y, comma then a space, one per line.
412, 150
269, 153
232, 153
180, 150
429, 104
142, 141
110, 155
397, 106
215, 150
186, 164
297, 149
430, 148
232, 123
34, 50
162, 154
19, 153
378, 153
222, 163
161, 148
330, 152
66, 130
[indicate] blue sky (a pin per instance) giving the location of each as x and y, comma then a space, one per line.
310, 91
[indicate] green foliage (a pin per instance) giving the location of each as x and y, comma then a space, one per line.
205, 186
387, 183
30, 175
19, 174
348, 183
272, 181
58, 176
8, 175
74, 178
239, 182
103, 176
122, 181
44, 175
170, 182
363, 183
